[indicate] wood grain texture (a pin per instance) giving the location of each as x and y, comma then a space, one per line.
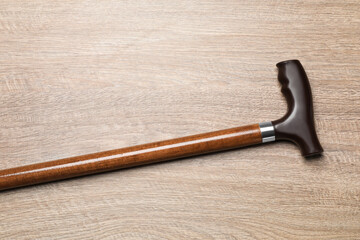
84, 76
132, 156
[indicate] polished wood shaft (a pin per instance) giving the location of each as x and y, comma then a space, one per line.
130, 156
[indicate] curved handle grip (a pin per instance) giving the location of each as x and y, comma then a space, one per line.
295, 87
297, 125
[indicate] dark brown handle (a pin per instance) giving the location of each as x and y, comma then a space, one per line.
297, 125
129, 157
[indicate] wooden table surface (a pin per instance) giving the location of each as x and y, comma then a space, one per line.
84, 76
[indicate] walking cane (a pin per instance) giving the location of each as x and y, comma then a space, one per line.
297, 125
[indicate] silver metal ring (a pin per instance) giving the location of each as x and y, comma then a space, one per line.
267, 132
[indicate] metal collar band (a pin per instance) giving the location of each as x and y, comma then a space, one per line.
267, 132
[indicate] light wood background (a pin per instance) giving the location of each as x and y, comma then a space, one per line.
83, 76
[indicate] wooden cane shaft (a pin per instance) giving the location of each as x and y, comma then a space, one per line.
130, 156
